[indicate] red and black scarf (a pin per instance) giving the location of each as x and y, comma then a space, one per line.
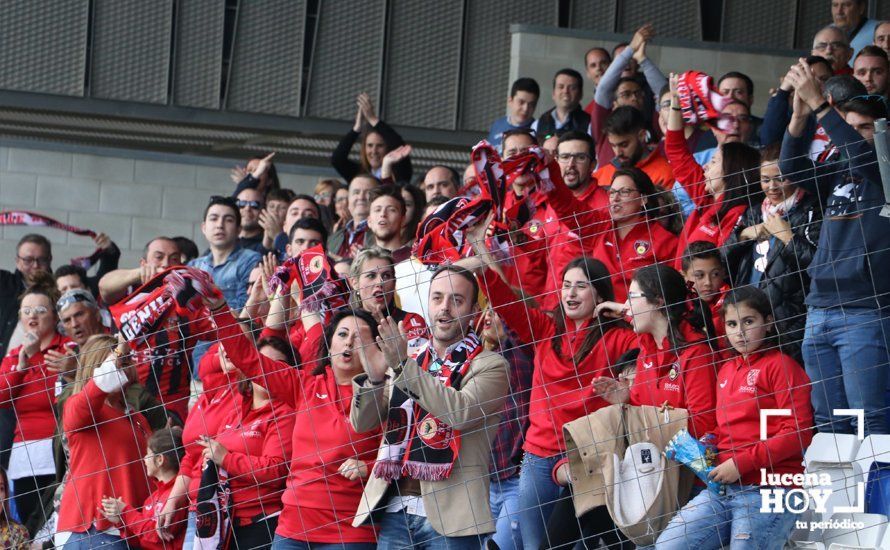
416, 443
321, 290
32, 219
143, 312
699, 99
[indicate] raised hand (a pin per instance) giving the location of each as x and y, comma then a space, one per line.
237, 174
367, 108
643, 35
263, 166
60, 363
102, 241
805, 85
613, 310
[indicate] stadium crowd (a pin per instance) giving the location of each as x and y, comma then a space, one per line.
401, 359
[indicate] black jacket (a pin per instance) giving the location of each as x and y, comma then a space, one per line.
785, 279
349, 169
578, 121
11, 286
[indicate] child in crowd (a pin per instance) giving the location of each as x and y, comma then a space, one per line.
703, 269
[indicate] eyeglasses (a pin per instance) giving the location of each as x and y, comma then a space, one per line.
36, 310
666, 104
322, 196
821, 46
636, 295
569, 157
249, 204
736, 118
30, 260
624, 192
629, 94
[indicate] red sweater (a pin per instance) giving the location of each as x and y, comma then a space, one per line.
645, 244
561, 390
703, 224
259, 445
140, 526
31, 392
319, 503
763, 380
684, 380
106, 450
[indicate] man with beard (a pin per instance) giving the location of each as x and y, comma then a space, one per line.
440, 181
429, 486
832, 44
626, 133
386, 220
250, 204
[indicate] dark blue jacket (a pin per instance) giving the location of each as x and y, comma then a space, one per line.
852, 262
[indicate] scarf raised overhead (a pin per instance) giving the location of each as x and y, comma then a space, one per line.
32, 219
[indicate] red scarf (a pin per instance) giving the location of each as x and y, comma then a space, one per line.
32, 219
700, 100
321, 290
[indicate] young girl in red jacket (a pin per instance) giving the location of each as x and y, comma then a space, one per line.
330, 459
27, 385
722, 191
139, 526
759, 377
572, 346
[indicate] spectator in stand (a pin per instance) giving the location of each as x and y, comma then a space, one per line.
596, 61
740, 87
27, 387
626, 133
301, 206
219, 397
758, 378
259, 174
250, 204
12, 533
376, 141
882, 36
773, 244
721, 192
253, 446
80, 318
567, 114
832, 44
227, 262
572, 345
386, 222
341, 208
415, 204
440, 500
33, 254
617, 90
69, 277
159, 254
139, 526
845, 343
870, 67
330, 460
850, 16
524, 94
506, 450
187, 248
629, 235
346, 242
98, 423
272, 217
441, 181
325, 190
778, 110
703, 268
305, 233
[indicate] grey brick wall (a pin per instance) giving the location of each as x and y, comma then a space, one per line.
131, 199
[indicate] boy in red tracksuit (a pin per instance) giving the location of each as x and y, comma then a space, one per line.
139, 527
759, 377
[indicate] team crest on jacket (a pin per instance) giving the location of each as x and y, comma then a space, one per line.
674, 373
751, 380
642, 247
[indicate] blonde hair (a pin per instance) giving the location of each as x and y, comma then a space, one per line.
358, 264
92, 354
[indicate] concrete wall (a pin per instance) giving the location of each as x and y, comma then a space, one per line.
130, 196
539, 52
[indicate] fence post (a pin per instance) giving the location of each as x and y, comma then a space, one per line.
883, 153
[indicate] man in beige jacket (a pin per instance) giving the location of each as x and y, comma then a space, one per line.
439, 412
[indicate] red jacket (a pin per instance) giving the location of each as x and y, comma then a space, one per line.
745, 386
645, 244
319, 503
31, 392
106, 451
259, 445
140, 526
685, 380
561, 389
703, 224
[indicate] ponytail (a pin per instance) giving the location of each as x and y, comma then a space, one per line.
665, 284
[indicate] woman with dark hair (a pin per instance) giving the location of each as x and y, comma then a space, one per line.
572, 346
415, 205
631, 234
722, 191
27, 386
376, 141
330, 459
677, 365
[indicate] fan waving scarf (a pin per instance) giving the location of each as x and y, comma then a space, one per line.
699, 99
141, 314
32, 219
321, 290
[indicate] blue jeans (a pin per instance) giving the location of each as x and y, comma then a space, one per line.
504, 506
282, 543
191, 529
845, 353
537, 497
95, 539
735, 521
400, 530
